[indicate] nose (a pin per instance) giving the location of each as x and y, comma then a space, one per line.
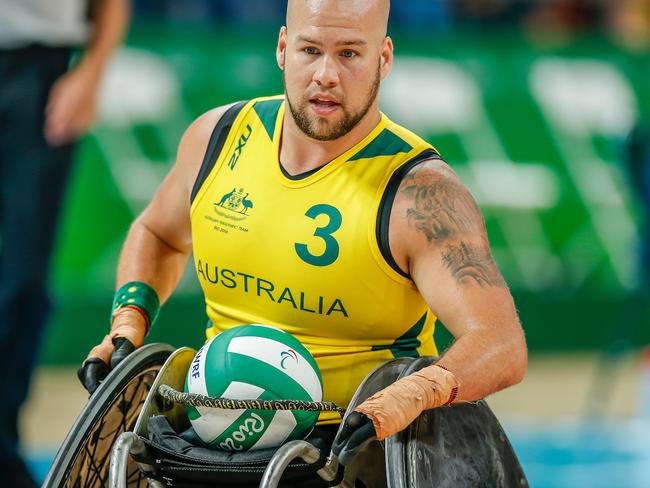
326, 74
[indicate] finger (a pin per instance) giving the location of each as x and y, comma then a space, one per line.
59, 115
363, 432
103, 350
84, 118
52, 98
123, 347
351, 423
355, 433
357, 443
91, 373
57, 132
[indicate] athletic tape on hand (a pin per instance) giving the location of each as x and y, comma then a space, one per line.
127, 323
396, 406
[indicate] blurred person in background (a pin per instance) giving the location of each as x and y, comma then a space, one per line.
489, 13
560, 20
629, 22
423, 14
45, 106
223, 12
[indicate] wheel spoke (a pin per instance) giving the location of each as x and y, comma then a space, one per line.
89, 469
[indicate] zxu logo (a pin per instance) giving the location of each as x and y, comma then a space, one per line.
243, 139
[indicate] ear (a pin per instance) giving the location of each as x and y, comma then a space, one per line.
282, 47
386, 57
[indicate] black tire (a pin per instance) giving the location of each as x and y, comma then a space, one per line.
83, 458
463, 445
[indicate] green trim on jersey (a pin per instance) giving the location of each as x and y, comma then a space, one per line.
387, 143
267, 111
406, 345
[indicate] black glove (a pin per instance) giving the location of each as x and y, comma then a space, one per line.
94, 370
356, 433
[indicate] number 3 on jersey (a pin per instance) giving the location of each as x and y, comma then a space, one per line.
325, 233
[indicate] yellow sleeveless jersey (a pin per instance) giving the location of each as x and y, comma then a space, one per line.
305, 254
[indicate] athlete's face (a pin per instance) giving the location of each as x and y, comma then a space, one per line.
334, 55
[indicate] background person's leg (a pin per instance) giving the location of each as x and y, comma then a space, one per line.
32, 181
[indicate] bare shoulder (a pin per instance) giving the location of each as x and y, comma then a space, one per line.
201, 128
195, 140
436, 220
438, 205
167, 215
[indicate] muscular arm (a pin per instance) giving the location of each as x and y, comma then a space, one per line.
156, 250
159, 241
437, 234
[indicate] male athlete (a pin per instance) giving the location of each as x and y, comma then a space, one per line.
313, 212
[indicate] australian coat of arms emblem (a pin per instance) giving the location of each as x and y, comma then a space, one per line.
237, 201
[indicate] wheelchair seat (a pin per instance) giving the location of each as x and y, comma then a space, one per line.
170, 453
180, 460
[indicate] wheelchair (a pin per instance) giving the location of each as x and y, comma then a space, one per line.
132, 435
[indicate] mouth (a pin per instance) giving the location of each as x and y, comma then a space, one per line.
323, 105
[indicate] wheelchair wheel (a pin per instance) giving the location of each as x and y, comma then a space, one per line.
463, 445
83, 458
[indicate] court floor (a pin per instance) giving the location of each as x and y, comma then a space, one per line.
567, 429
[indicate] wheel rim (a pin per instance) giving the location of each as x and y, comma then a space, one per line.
89, 469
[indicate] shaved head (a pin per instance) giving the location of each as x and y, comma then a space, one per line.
372, 13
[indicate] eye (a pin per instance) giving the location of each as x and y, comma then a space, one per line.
310, 50
348, 53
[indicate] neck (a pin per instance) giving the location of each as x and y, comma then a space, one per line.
300, 153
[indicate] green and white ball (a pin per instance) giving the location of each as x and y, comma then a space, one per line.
253, 362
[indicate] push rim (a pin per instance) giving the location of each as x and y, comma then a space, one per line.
84, 457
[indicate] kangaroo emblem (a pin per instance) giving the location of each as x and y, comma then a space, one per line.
226, 197
236, 200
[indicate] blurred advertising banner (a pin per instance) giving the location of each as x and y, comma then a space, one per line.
536, 132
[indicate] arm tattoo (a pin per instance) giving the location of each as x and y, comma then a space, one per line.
440, 207
467, 263
445, 213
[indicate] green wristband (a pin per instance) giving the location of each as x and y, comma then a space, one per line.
137, 294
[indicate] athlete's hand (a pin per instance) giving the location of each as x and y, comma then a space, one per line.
127, 334
71, 106
356, 432
394, 408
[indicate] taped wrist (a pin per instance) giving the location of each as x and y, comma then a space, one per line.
128, 324
140, 297
396, 406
